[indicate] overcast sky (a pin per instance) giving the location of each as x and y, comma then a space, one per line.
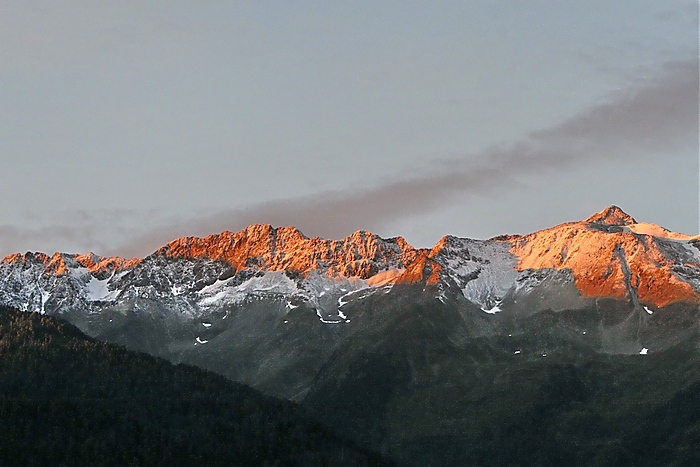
126, 124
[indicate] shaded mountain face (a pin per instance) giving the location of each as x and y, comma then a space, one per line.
67, 399
474, 351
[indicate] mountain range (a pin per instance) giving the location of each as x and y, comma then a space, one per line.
608, 255
566, 345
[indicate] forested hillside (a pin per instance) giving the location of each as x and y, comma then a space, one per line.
66, 399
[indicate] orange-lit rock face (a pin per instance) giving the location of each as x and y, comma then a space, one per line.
58, 263
97, 264
19, 258
55, 264
422, 270
604, 263
285, 248
386, 277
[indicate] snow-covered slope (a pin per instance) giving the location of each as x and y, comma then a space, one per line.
484, 271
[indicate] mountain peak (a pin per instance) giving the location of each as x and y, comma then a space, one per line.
612, 215
262, 246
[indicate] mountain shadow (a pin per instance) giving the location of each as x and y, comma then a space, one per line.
425, 388
67, 399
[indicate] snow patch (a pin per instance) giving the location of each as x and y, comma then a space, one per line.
648, 311
644, 351
342, 300
494, 309
44, 298
693, 250
212, 287
221, 292
317, 289
206, 325
481, 269
121, 274
99, 290
201, 341
80, 272
324, 320
216, 298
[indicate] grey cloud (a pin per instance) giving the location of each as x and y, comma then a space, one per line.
77, 231
661, 114
60, 235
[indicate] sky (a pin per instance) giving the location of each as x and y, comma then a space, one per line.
124, 125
